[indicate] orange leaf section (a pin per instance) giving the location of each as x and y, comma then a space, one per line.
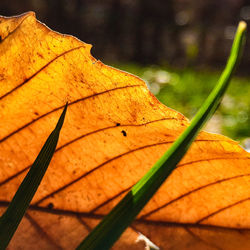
114, 131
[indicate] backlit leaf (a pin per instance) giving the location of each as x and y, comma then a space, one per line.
115, 130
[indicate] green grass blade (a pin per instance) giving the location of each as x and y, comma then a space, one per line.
20, 202
112, 226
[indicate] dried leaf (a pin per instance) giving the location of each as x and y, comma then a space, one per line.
114, 132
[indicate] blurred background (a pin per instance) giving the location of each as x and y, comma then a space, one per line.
177, 46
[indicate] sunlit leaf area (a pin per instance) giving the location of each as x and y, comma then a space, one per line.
185, 89
138, 80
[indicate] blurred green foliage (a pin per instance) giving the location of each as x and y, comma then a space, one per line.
185, 90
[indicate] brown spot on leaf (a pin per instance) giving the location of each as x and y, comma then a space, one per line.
50, 205
124, 133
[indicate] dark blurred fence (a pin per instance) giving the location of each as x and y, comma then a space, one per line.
178, 32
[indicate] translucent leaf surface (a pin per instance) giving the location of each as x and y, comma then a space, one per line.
115, 130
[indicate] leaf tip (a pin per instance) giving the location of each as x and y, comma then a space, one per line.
242, 25
61, 119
